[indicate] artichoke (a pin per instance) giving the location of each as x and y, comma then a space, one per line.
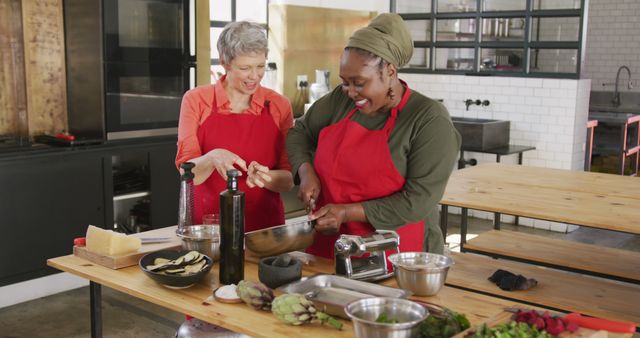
295, 309
256, 295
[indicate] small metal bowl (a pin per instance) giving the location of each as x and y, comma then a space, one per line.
364, 312
280, 239
422, 273
202, 238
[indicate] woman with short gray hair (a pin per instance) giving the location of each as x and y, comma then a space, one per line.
236, 123
242, 37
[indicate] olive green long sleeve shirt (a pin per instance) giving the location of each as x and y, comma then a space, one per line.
423, 144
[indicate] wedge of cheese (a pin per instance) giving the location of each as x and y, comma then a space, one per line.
110, 243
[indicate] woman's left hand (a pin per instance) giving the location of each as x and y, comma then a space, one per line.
257, 175
329, 218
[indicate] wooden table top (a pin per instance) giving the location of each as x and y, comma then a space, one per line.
240, 317
596, 200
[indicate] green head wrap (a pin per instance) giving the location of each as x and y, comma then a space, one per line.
387, 36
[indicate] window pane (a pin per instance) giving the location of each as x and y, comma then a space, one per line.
420, 58
554, 60
456, 6
504, 5
420, 29
501, 59
215, 34
216, 73
456, 30
220, 10
251, 10
503, 29
555, 29
556, 4
455, 58
413, 6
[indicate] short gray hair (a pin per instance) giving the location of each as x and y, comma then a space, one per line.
239, 38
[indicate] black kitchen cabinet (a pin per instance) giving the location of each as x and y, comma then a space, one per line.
50, 196
45, 203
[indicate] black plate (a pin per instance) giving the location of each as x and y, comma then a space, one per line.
175, 281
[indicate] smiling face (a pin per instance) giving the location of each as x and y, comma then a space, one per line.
366, 81
245, 72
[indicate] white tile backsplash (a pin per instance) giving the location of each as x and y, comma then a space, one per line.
549, 114
613, 40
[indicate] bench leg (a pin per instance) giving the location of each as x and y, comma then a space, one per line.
95, 295
464, 218
496, 220
444, 220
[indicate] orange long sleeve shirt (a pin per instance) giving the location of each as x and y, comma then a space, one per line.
197, 105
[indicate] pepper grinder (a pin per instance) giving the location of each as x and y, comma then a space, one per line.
185, 204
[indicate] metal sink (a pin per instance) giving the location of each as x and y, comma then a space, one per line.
603, 102
482, 134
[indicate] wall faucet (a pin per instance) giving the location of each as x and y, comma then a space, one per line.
616, 93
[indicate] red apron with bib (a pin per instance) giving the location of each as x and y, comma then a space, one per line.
354, 165
253, 138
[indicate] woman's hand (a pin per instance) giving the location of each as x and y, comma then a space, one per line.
223, 160
329, 218
257, 175
309, 185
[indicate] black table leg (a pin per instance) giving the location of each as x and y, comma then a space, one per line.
520, 158
95, 292
496, 220
464, 218
444, 220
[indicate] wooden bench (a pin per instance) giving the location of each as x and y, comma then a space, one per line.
556, 290
590, 259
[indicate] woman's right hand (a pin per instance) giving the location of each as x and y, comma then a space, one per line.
309, 186
223, 160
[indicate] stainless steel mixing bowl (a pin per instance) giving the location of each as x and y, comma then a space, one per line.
422, 273
202, 238
279, 239
364, 313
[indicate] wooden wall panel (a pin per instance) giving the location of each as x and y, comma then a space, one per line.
45, 65
303, 39
12, 88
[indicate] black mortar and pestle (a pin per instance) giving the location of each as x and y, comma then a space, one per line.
279, 270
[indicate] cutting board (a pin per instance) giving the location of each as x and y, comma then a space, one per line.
130, 259
505, 317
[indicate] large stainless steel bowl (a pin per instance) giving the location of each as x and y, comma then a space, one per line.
422, 273
202, 238
279, 239
364, 312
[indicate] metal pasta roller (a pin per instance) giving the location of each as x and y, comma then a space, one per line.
349, 250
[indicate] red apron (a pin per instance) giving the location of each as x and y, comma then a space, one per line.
253, 138
354, 165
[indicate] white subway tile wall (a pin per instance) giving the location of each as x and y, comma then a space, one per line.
549, 114
613, 40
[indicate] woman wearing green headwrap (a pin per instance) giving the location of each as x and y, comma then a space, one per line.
373, 153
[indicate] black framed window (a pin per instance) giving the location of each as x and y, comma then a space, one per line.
536, 38
222, 12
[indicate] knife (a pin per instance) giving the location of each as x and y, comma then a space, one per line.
588, 322
81, 241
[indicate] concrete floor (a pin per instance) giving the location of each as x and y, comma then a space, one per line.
67, 314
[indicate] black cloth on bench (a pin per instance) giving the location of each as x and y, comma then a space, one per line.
509, 281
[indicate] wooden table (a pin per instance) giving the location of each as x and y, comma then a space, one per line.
240, 317
602, 201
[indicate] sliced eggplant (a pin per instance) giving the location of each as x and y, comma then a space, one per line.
160, 260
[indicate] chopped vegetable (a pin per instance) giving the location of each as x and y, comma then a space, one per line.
509, 330
190, 263
383, 318
444, 325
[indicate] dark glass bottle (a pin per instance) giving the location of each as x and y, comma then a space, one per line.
232, 231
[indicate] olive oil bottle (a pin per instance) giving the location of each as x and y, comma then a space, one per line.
232, 231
